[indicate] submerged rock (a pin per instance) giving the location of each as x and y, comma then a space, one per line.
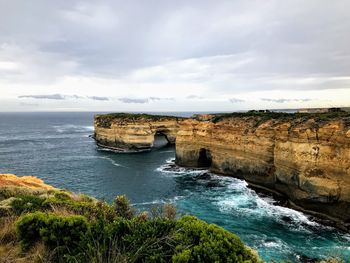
203, 176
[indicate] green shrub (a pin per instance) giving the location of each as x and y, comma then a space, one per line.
122, 207
54, 231
6, 193
28, 228
201, 242
104, 242
151, 241
60, 195
135, 240
27, 203
86, 198
99, 232
86, 208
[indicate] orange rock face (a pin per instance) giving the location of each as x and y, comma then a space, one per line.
306, 160
31, 182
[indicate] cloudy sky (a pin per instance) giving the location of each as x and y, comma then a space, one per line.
173, 55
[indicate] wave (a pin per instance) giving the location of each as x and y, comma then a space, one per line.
239, 198
170, 168
113, 162
161, 201
87, 157
72, 128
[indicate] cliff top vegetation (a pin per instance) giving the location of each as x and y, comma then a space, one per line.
267, 115
105, 120
52, 225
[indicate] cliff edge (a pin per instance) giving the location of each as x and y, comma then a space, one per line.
305, 157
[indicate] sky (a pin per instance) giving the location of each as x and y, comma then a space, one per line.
184, 55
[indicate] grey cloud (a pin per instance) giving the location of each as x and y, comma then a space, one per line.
247, 46
131, 37
157, 98
59, 97
47, 97
142, 100
130, 100
285, 100
74, 96
235, 100
99, 98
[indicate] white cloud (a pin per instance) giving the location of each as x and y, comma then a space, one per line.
9, 66
200, 53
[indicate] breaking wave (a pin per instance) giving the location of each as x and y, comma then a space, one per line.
170, 168
113, 162
161, 201
69, 128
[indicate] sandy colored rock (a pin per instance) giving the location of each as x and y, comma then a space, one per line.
306, 160
304, 157
128, 133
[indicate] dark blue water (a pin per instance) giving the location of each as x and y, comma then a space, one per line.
56, 148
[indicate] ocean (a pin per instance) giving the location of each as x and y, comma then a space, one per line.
56, 147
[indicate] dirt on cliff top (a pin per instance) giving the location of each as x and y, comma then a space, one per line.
30, 182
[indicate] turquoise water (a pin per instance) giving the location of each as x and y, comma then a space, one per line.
56, 148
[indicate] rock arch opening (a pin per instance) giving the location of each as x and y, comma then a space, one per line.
204, 158
160, 140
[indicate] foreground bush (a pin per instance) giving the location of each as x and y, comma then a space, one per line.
200, 242
59, 226
132, 240
53, 230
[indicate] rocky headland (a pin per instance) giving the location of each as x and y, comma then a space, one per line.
304, 157
125, 132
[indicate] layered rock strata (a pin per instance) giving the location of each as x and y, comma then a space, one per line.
134, 132
304, 158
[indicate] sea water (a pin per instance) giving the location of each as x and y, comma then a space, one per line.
57, 148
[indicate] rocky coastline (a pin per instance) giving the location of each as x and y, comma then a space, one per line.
304, 157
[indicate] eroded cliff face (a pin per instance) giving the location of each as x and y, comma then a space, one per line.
134, 132
307, 160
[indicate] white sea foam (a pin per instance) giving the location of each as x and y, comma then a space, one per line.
161, 201
273, 244
113, 162
170, 168
72, 128
240, 198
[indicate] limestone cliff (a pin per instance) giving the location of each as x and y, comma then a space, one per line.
305, 157
133, 132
